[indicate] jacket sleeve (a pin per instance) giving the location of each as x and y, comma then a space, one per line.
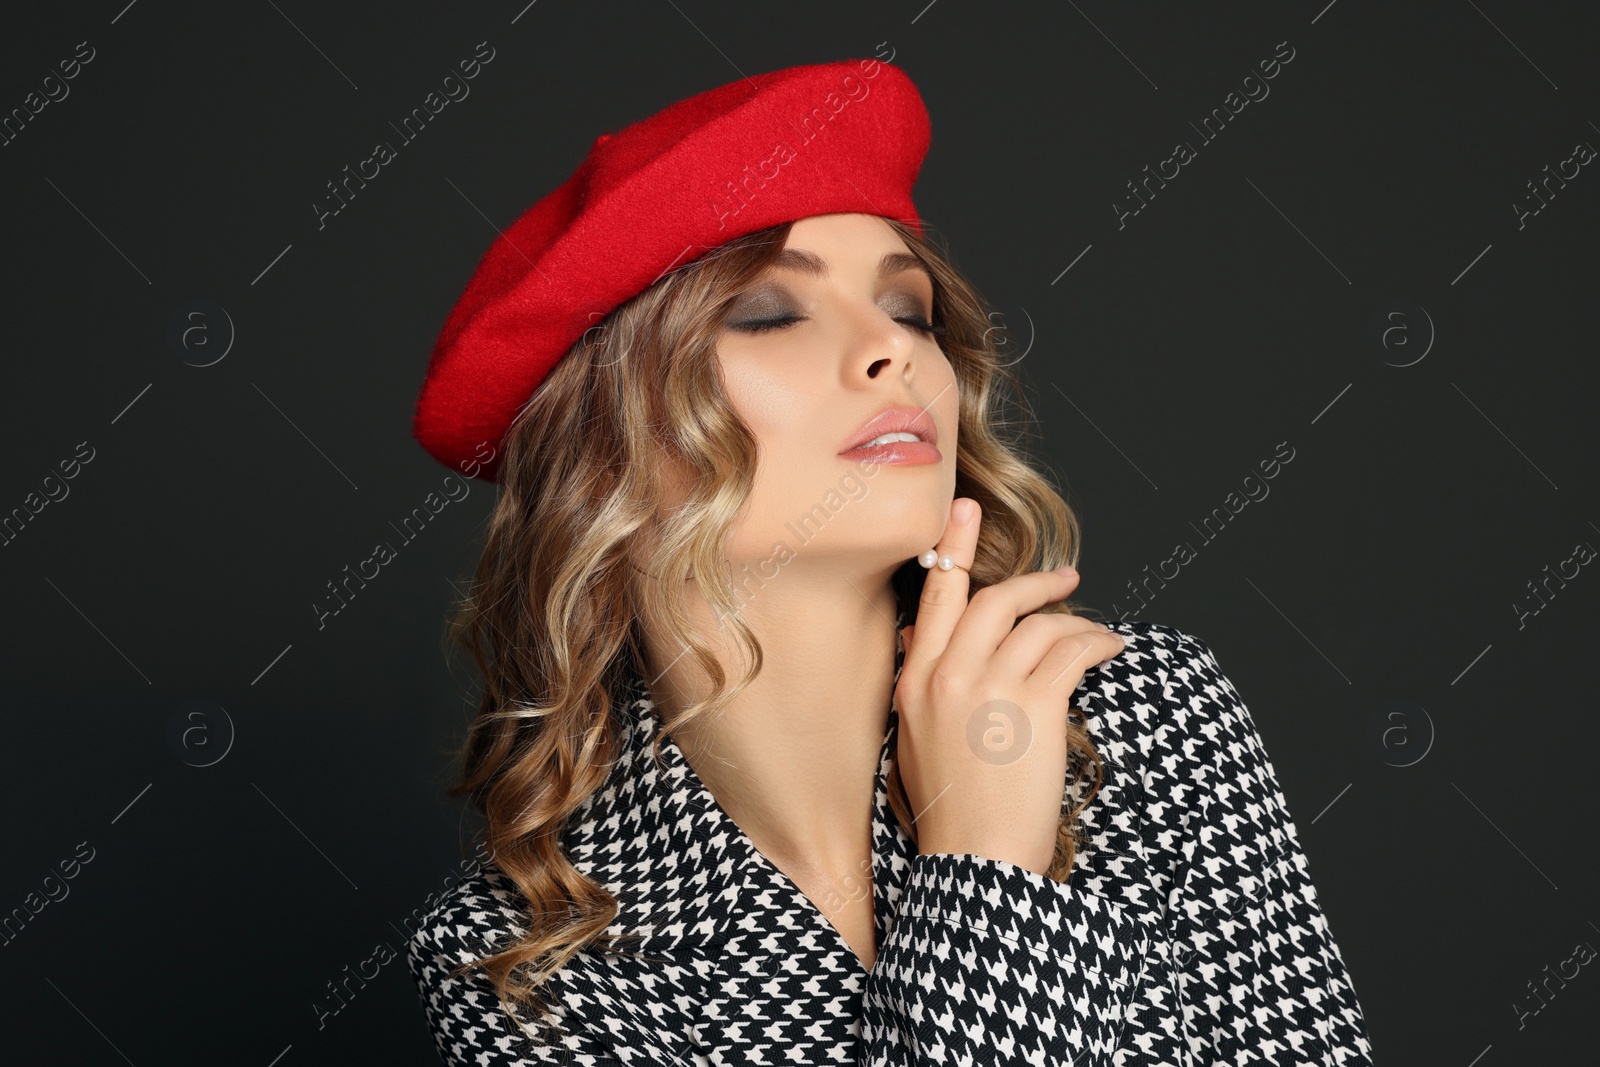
1257, 975
990, 963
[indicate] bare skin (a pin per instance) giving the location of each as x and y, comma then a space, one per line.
964, 653
794, 759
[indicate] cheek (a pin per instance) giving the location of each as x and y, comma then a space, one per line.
947, 408
777, 406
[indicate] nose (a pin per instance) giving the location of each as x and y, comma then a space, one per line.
876, 345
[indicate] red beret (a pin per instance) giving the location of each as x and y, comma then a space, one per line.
847, 136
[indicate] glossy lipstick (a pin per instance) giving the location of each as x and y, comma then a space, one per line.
898, 419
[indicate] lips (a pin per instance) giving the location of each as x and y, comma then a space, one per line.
899, 418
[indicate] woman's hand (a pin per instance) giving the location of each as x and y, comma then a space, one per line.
983, 703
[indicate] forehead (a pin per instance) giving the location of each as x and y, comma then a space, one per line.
843, 228
850, 241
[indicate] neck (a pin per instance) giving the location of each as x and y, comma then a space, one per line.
794, 757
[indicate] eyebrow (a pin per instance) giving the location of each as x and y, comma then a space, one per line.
798, 259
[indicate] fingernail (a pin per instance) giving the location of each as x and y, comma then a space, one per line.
962, 511
1067, 571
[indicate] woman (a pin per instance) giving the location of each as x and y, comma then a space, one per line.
790, 749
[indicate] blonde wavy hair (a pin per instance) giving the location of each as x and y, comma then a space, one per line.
565, 576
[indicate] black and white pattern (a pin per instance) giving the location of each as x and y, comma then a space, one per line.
1189, 932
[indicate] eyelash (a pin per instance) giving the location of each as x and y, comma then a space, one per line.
763, 325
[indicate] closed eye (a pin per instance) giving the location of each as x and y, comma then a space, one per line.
781, 321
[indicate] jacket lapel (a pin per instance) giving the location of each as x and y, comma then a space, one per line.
673, 871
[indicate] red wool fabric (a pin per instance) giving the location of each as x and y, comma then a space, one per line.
846, 136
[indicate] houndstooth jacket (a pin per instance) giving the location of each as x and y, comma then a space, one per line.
1188, 932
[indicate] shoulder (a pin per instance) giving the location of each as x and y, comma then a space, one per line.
1168, 683
1180, 742
1162, 697
1160, 648
476, 916
1198, 720
466, 921
1206, 776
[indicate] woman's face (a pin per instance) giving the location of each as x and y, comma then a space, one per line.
841, 344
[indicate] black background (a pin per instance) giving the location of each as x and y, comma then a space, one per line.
1437, 753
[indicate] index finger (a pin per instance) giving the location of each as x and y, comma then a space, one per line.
944, 592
